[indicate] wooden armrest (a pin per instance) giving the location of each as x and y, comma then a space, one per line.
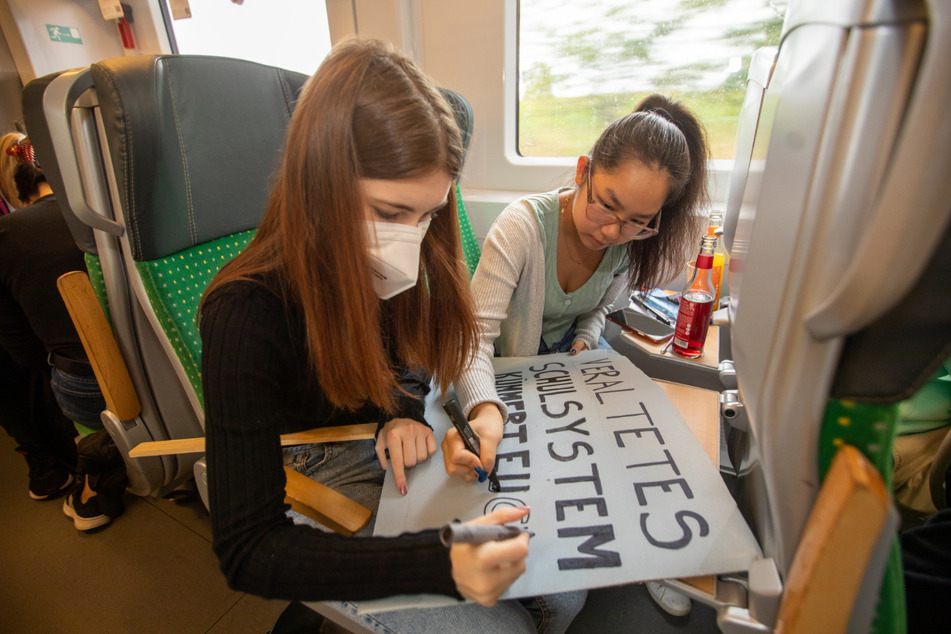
197, 445
100, 344
323, 504
840, 536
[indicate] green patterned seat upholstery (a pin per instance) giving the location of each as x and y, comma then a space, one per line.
175, 284
470, 247
94, 268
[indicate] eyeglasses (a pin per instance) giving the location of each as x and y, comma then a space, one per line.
630, 229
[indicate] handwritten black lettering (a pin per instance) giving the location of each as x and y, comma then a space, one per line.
506, 478
593, 362
670, 461
516, 418
603, 385
550, 364
564, 412
555, 383
522, 456
599, 504
570, 427
521, 432
545, 393
637, 432
597, 535
643, 412
594, 478
664, 485
601, 370
600, 395
687, 534
574, 451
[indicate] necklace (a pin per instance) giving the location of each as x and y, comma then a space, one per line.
563, 233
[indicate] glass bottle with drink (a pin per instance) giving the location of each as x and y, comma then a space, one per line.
696, 304
715, 228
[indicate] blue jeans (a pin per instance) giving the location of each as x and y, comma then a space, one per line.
79, 397
562, 346
566, 342
352, 469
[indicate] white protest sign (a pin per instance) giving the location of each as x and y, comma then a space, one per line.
620, 490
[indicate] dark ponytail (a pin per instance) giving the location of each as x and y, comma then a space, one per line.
28, 178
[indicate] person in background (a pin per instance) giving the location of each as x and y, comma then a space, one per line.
36, 248
9, 199
30, 414
555, 264
350, 297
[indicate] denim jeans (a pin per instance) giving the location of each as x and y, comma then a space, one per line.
566, 342
561, 346
79, 397
352, 469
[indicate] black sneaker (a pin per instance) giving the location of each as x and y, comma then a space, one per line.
48, 477
86, 515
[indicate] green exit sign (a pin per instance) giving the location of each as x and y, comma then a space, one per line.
68, 34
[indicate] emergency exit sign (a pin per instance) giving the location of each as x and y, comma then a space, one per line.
68, 34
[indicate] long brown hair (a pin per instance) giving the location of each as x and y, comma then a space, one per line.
368, 112
664, 135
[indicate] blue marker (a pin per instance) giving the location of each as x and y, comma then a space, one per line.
471, 441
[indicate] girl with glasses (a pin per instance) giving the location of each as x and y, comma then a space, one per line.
554, 264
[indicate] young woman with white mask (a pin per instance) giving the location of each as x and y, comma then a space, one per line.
325, 320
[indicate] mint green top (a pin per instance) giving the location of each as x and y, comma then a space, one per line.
561, 308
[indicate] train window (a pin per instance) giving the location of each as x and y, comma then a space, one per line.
583, 64
295, 35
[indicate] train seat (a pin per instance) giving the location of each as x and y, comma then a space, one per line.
835, 317
177, 152
152, 178
837, 226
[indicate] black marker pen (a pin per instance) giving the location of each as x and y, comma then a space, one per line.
470, 440
456, 533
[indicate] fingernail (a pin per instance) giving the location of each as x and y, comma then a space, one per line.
573, 351
482, 474
402, 489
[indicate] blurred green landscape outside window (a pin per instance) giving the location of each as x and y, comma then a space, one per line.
584, 63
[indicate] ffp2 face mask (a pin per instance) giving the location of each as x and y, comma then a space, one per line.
394, 256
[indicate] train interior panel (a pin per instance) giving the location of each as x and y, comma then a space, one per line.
160, 126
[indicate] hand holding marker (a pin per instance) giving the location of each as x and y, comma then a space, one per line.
470, 440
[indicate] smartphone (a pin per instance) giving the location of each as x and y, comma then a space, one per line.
641, 324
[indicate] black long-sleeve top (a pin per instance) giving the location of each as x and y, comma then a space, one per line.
257, 385
36, 247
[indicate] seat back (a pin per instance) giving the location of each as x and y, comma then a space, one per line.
838, 227
163, 159
192, 142
193, 180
